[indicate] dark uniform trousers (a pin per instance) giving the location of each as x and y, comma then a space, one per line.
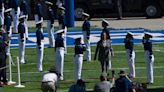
2, 59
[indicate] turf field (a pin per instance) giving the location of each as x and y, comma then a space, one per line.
91, 70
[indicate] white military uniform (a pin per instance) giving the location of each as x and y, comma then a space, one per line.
86, 37
65, 40
50, 23
40, 49
149, 58
15, 19
149, 66
78, 63
21, 49
110, 61
64, 35
22, 41
87, 54
49, 82
131, 62
7, 23
78, 59
25, 24
50, 33
24, 12
63, 27
59, 54
40, 53
130, 55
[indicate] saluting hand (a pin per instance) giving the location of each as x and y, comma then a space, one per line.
22, 40
88, 37
130, 55
150, 56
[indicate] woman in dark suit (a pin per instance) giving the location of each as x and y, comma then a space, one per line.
104, 49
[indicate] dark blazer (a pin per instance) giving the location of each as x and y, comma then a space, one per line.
103, 51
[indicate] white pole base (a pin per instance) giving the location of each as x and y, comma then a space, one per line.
19, 86
11, 83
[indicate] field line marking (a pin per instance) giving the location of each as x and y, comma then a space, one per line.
156, 67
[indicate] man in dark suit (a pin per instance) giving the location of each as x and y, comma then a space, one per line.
118, 8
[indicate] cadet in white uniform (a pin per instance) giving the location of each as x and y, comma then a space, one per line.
24, 11
130, 54
78, 58
15, 14
22, 39
7, 27
40, 45
50, 81
62, 25
61, 14
86, 36
149, 57
59, 53
50, 23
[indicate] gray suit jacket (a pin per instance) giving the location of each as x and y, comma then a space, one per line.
103, 86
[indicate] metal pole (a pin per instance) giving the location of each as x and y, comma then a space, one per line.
69, 5
19, 80
10, 70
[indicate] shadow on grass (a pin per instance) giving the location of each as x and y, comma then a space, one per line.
156, 90
149, 90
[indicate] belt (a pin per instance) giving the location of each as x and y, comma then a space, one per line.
79, 55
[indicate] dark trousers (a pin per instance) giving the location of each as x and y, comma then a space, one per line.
3, 65
104, 66
118, 7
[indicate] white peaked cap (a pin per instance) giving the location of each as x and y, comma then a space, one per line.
48, 3
22, 16
85, 14
147, 33
39, 22
59, 31
8, 10
62, 8
103, 20
129, 33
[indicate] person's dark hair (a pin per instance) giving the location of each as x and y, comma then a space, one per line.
81, 83
129, 36
107, 36
76, 41
103, 77
39, 25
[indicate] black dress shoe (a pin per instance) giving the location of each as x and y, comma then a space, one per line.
149, 83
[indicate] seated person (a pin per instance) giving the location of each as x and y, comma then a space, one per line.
123, 83
78, 87
104, 85
50, 81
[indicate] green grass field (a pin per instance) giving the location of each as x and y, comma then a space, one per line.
91, 70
